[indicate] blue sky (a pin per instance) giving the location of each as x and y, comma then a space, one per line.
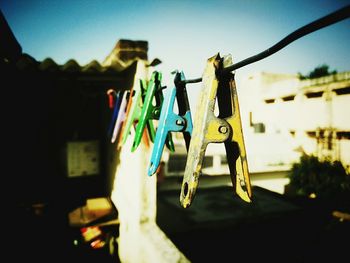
182, 33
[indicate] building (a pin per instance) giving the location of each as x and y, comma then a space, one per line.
282, 118
313, 113
60, 160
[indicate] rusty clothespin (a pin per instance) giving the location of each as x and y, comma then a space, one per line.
226, 128
171, 122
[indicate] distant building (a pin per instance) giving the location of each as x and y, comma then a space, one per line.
283, 117
313, 112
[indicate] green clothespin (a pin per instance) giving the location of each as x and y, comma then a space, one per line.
151, 112
135, 109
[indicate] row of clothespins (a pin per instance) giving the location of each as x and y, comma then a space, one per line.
145, 103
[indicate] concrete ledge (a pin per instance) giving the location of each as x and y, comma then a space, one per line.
158, 247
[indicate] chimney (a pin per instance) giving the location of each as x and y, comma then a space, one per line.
125, 52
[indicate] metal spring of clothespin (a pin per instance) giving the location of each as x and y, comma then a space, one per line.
171, 122
226, 128
151, 112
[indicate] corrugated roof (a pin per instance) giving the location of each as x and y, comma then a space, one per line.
28, 63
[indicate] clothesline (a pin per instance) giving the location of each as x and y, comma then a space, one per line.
327, 20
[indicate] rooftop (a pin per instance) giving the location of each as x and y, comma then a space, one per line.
220, 227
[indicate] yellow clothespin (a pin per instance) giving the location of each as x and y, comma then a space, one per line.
226, 128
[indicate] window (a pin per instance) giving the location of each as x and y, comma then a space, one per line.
342, 91
343, 135
311, 95
269, 101
288, 98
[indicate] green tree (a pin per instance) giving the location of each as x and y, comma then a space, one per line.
325, 179
319, 71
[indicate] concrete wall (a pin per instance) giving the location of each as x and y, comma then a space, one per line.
134, 195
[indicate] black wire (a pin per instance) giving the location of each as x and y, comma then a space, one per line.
193, 80
332, 18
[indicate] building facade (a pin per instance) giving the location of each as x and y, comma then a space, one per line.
313, 113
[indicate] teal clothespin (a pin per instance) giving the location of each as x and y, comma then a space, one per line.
171, 122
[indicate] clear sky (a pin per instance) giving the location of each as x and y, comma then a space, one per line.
182, 33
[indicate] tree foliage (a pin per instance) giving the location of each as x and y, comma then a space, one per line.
319, 71
325, 179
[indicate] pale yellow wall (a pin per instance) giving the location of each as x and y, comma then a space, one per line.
301, 114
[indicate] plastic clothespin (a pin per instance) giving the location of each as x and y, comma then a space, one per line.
151, 112
114, 100
111, 93
133, 112
226, 128
171, 122
121, 116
